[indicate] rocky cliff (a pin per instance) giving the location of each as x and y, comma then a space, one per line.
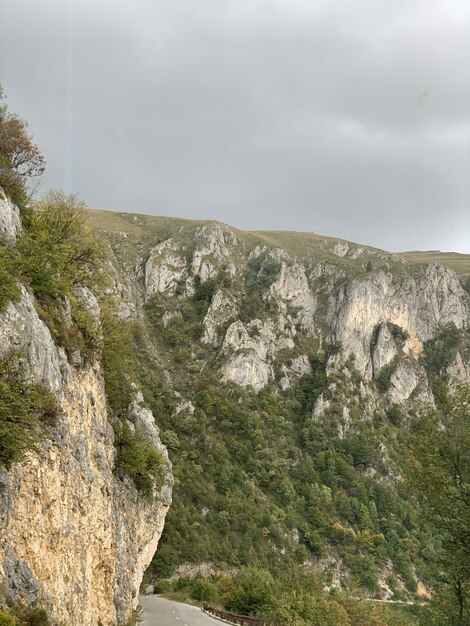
272, 362
291, 368
75, 538
328, 291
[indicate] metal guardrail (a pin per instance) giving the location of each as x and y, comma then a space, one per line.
244, 620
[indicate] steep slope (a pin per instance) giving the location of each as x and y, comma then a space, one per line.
75, 535
285, 371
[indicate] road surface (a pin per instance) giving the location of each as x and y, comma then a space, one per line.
161, 612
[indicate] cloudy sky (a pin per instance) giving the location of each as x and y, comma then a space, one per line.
347, 117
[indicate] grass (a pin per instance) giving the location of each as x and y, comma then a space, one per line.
134, 234
459, 263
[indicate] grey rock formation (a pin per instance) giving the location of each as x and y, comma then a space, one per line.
419, 305
10, 223
74, 537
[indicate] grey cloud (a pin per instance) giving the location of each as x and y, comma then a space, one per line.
349, 118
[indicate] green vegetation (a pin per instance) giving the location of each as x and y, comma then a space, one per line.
117, 359
439, 471
137, 458
20, 158
440, 352
9, 289
24, 616
383, 377
254, 471
57, 251
25, 411
6, 619
295, 598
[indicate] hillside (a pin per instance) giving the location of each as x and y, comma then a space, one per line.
286, 371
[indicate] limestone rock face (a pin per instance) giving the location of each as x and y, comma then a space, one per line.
22, 331
164, 268
385, 348
74, 537
291, 286
214, 246
10, 224
221, 309
298, 367
418, 305
251, 350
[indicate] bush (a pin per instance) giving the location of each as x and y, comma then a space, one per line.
58, 252
24, 410
252, 591
34, 617
137, 458
441, 351
117, 359
6, 619
9, 289
383, 377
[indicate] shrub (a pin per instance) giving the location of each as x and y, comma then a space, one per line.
137, 458
251, 592
441, 351
9, 289
24, 410
6, 619
383, 377
58, 251
117, 359
34, 617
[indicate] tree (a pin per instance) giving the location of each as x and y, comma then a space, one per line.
20, 158
439, 470
58, 250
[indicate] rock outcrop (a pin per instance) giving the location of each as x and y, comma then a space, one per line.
10, 224
74, 537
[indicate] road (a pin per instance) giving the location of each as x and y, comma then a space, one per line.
161, 612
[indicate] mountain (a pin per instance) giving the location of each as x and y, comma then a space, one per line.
282, 371
286, 371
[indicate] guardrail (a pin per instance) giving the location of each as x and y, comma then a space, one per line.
247, 620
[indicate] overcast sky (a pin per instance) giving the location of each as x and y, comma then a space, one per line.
346, 117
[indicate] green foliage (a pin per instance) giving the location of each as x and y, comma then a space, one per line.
252, 471
58, 252
25, 410
32, 617
383, 377
439, 471
117, 359
9, 289
20, 158
6, 619
302, 608
441, 351
294, 597
251, 592
137, 457
397, 332
21, 615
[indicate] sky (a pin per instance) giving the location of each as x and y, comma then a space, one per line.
346, 117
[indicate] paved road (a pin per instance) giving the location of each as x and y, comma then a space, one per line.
161, 612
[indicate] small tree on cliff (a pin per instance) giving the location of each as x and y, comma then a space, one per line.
20, 158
